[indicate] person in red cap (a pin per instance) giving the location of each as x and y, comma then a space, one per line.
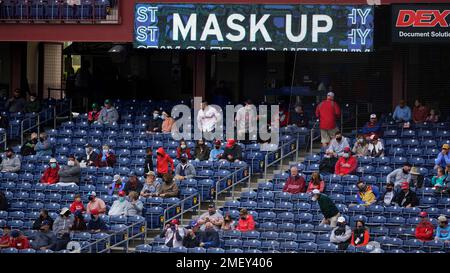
232, 152
119, 207
425, 229
217, 152
173, 234
346, 164
96, 224
162, 162
406, 197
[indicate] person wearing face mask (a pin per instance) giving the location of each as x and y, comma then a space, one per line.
94, 114
154, 125
148, 164
295, 182
376, 147
367, 194
62, 225
346, 164
341, 234
228, 223
201, 151
360, 235
163, 160
43, 216
217, 152
119, 207
388, 197
91, 155
70, 174
169, 188
372, 127
406, 198
45, 238
246, 222
327, 207
299, 117
209, 237
28, 147
183, 150
191, 239
338, 144
398, 176
443, 230
95, 203
168, 122
360, 149
173, 234
212, 215
116, 186
50, 175
402, 112
10, 163
133, 184
424, 229
151, 186
184, 170
106, 158
16, 103
108, 114
43, 147
328, 162
232, 151
33, 105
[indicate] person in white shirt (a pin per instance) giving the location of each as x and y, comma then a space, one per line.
246, 121
376, 147
207, 118
120, 206
173, 234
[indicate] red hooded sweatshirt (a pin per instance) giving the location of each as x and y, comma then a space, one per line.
246, 225
19, 243
327, 111
424, 231
50, 175
162, 161
339, 168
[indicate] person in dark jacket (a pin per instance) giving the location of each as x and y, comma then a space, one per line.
154, 125
148, 164
79, 224
372, 127
91, 155
209, 237
201, 151
232, 152
70, 174
406, 197
295, 182
106, 158
28, 148
360, 235
33, 105
16, 103
45, 238
43, 216
96, 224
327, 207
328, 162
4, 206
191, 239
299, 117
133, 184
389, 195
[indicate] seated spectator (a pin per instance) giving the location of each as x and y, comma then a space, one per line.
33, 105
77, 204
372, 127
96, 224
43, 216
169, 188
168, 122
50, 175
211, 216
417, 178
328, 162
228, 223
28, 147
79, 224
183, 150
246, 222
295, 182
6, 236
106, 158
376, 147
4, 205
184, 170
45, 238
443, 158
173, 234
133, 184
134, 205
191, 240
424, 229
341, 234
4, 122
209, 237
389, 195
316, 183
10, 163
346, 164
62, 225
151, 186
91, 156
70, 174
420, 112
443, 230
119, 207
94, 114
338, 144
154, 125
360, 149
16, 103
148, 165
217, 152
18, 240
367, 195
438, 181
162, 162
299, 117
402, 113
95, 204
360, 235
232, 152
432, 117
398, 176
43, 146
201, 151
406, 198
207, 118
327, 207
108, 114
116, 186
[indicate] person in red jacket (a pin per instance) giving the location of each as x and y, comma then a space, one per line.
106, 158
77, 204
360, 235
346, 164
50, 175
295, 182
94, 114
6, 237
162, 162
183, 150
246, 222
424, 229
327, 112
18, 240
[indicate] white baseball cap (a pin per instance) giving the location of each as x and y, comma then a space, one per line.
63, 211
116, 177
330, 94
92, 193
315, 191
53, 160
373, 116
341, 219
442, 218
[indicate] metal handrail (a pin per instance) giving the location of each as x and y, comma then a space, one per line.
282, 155
183, 210
312, 138
234, 182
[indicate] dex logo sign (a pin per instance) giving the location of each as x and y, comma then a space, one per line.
422, 18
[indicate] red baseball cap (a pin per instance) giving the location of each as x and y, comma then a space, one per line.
175, 222
122, 193
347, 149
405, 185
423, 214
94, 212
230, 143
